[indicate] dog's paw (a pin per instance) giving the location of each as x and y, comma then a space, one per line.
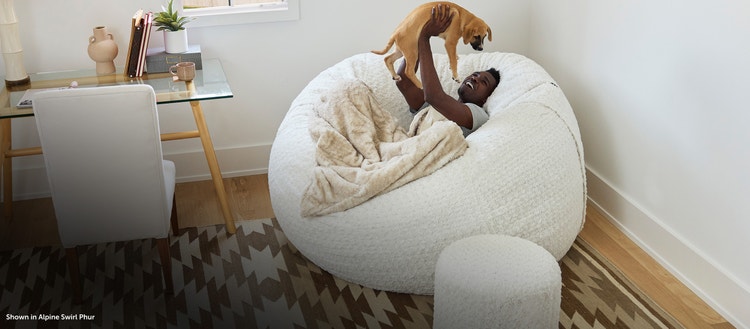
397, 78
456, 80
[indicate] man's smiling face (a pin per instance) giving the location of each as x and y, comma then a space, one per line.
477, 87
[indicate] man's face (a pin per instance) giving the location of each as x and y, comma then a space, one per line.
477, 87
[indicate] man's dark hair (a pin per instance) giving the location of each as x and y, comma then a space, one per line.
495, 73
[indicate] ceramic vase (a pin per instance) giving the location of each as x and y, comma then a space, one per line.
103, 50
175, 42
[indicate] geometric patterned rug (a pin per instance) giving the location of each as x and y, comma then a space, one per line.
257, 279
596, 294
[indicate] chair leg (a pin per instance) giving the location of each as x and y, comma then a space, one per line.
173, 217
71, 255
166, 263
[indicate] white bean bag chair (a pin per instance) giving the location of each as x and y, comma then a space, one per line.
522, 175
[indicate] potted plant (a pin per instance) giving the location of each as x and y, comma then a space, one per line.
173, 25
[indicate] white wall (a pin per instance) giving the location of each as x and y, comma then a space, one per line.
267, 65
660, 90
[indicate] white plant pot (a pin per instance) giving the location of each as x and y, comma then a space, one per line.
175, 41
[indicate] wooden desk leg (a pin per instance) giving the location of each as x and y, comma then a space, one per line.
213, 165
7, 164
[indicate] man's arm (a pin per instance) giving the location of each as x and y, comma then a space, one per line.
414, 95
434, 94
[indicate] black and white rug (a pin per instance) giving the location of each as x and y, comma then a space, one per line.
256, 279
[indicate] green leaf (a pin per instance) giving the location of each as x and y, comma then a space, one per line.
169, 19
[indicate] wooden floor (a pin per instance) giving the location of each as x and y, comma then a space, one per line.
650, 277
33, 224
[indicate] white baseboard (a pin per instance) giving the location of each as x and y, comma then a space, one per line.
238, 161
716, 286
30, 181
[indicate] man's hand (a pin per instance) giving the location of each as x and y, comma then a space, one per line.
439, 21
433, 91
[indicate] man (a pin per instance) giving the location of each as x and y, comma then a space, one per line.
473, 92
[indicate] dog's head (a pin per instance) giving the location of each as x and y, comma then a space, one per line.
475, 32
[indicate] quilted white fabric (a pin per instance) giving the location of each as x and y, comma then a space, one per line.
496, 281
522, 175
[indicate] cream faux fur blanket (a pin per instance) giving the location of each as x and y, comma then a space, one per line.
362, 151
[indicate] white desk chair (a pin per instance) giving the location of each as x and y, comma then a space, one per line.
109, 181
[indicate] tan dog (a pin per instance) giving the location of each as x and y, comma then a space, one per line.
405, 37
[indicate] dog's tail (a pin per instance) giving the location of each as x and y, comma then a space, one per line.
387, 47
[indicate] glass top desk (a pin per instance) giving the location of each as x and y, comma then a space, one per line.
209, 83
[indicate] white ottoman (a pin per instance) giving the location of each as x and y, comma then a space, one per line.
496, 281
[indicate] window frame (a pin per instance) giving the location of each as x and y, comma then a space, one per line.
243, 14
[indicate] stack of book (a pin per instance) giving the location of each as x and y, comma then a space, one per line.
140, 34
158, 60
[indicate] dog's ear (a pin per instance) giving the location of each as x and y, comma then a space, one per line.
489, 33
469, 34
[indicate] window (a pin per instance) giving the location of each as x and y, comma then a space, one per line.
219, 3
226, 12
